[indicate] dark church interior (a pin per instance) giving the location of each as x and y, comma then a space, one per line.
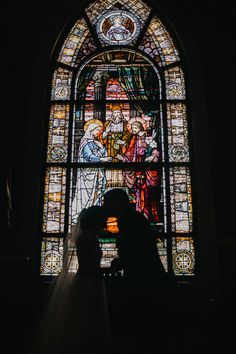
200, 313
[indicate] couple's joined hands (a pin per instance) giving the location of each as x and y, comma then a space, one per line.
119, 157
106, 159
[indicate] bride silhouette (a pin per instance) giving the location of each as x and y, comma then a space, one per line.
76, 319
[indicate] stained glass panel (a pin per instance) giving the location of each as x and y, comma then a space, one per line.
51, 256
158, 44
119, 139
61, 84
149, 46
86, 49
58, 133
130, 132
73, 43
109, 251
54, 200
120, 81
181, 200
175, 84
136, 7
114, 90
162, 251
178, 146
144, 188
120, 113
90, 91
183, 256
117, 27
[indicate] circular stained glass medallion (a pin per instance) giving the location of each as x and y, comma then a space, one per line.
179, 153
62, 92
52, 262
57, 154
118, 27
183, 262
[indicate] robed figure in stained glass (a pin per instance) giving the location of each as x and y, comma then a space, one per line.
91, 182
145, 183
116, 135
116, 139
118, 32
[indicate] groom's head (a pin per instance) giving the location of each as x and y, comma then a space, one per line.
115, 200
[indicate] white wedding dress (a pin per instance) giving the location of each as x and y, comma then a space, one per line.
76, 319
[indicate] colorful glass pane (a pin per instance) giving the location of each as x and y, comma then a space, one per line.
109, 251
114, 90
119, 81
51, 256
61, 84
58, 133
177, 133
175, 85
86, 49
149, 46
90, 91
100, 7
181, 200
162, 251
163, 198
183, 254
119, 139
130, 132
143, 186
54, 200
73, 43
158, 43
117, 27
119, 116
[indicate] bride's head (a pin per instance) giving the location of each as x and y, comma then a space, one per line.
93, 128
92, 218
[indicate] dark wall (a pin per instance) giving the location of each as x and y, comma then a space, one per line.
30, 33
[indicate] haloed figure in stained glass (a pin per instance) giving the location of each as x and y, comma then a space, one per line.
116, 135
91, 182
116, 138
145, 183
118, 32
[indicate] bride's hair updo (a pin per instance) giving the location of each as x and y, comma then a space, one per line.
91, 218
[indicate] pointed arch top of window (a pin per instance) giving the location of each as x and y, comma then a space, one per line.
158, 43
100, 8
125, 23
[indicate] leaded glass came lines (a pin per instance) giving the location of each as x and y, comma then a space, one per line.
118, 119
183, 256
181, 200
61, 84
54, 200
178, 146
73, 43
175, 83
51, 255
58, 133
158, 44
98, 8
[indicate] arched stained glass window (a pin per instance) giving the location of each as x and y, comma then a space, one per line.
118, 118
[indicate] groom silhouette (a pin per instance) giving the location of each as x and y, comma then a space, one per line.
136, 241
144, 277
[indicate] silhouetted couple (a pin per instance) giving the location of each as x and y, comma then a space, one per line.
77, 317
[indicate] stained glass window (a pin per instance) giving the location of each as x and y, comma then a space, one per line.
118, 118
